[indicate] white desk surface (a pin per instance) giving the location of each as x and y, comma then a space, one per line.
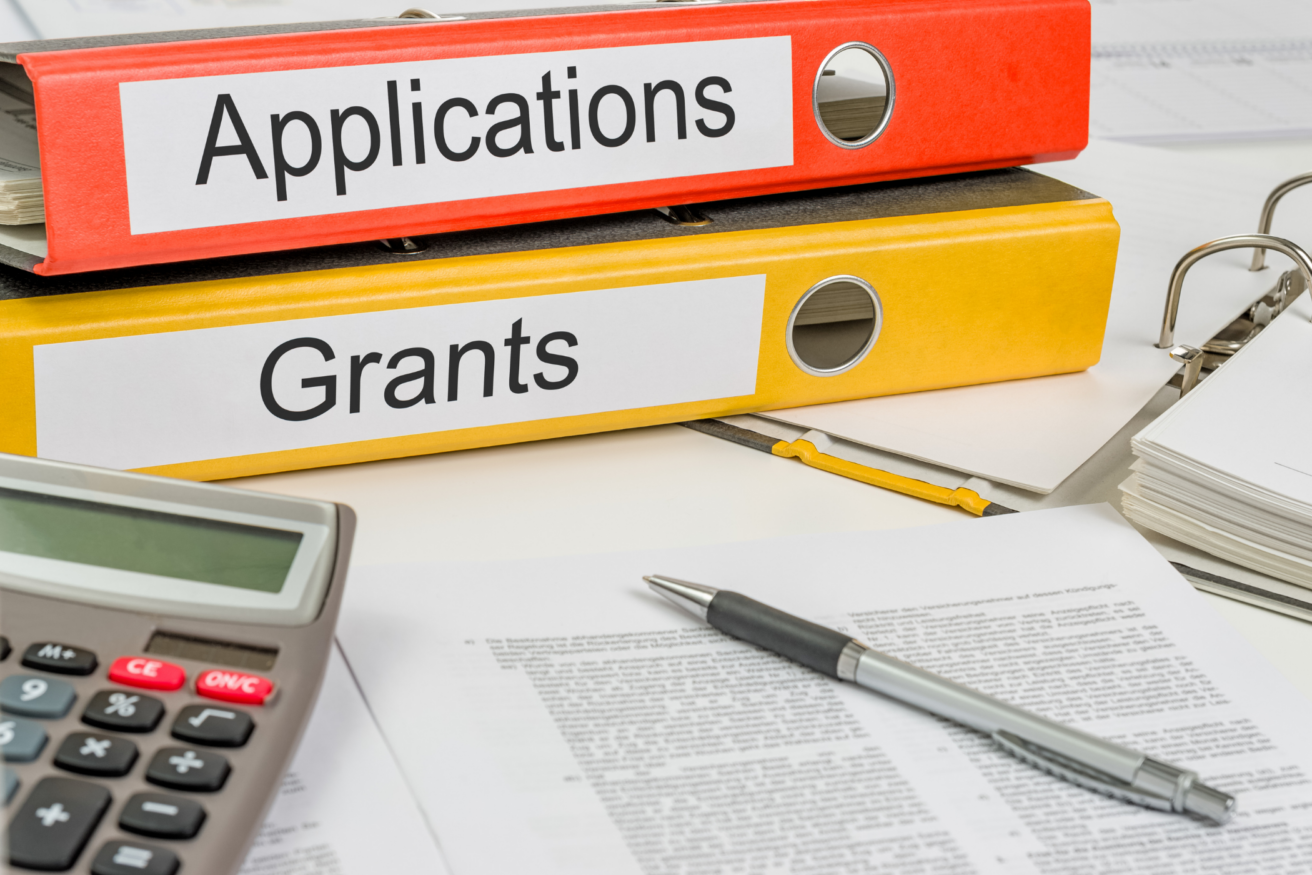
668, 486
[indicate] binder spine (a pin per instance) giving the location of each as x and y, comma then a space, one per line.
242, 376
329, 137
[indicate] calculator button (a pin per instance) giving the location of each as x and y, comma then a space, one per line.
182, 768
123, 712
234, 686
31, 696
133, 858
49, 831
8, 785
59, 658
21, 741
149, 674
220, 727
5, 649
162, 816
88, 753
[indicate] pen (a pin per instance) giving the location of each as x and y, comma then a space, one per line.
1059, 750
810, 450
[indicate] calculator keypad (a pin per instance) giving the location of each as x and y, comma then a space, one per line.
31, 696
90, 753
59, 658
49, 831
217, 727
91, 817
183, 768
162, 816
123, 711
21, 741
134, 858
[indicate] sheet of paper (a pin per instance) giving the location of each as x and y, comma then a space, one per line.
55, 19
1034, 433
344, 808
1200, 69
14, 26
1162, 21
555, 716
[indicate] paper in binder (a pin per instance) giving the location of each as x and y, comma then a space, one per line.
274, 362
197, 144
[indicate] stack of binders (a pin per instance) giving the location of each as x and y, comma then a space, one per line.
530, 225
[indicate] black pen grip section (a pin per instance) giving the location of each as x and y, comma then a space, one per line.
813, 646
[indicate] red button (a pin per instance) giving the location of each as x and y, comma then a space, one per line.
233, 686
151, 674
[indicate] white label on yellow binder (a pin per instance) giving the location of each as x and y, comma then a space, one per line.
210, 393
222, 150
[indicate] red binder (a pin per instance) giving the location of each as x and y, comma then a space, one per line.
166, 147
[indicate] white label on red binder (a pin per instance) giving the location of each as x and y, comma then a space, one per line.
210, 393
209, 151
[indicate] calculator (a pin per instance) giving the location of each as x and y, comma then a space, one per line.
163, 645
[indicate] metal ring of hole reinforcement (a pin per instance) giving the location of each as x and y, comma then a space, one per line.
1239, 241
417, 13
865, 349
889, 96
1269, 213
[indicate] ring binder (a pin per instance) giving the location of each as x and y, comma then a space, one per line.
1269, 212
302, 359
157, 148
1238, 241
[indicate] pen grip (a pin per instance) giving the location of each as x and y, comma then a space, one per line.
800, 640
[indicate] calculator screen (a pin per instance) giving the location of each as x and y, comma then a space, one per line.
146, 541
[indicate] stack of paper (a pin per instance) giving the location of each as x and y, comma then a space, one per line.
1229, 469
21, 198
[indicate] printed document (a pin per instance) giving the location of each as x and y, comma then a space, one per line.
1201, 69
556, 716
344, 808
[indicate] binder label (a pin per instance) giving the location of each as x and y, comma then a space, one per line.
209, 151
211, 393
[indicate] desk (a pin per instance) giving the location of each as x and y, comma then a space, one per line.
667, 486
653, 487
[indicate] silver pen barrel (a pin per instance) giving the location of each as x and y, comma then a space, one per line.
1077, 756
930, 692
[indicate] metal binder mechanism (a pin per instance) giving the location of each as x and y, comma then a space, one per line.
684, 214
1249, 324
403, 245
1269, 213
424, 13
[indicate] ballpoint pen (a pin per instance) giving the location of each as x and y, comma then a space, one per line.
1076, 756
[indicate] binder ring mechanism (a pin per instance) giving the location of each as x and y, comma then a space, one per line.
431, 16
1290, 285
1269, 213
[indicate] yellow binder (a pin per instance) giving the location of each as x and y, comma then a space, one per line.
331, 356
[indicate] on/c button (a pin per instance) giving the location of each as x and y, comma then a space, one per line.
150, 674
234, 686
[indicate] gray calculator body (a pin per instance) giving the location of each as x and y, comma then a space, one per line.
144, 614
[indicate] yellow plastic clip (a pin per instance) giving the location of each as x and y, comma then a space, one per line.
966, 499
